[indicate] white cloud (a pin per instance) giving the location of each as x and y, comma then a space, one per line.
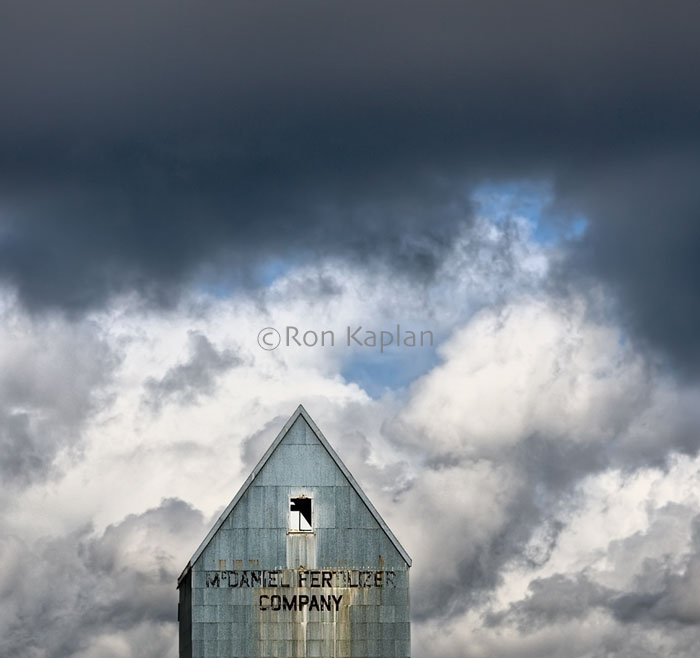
540, 445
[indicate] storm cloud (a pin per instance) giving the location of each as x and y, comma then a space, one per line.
115, 586
54, 376
175, 177
145, 146
196, 376
554, 463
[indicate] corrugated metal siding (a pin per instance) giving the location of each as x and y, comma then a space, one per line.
368, 622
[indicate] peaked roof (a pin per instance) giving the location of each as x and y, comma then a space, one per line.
300, 411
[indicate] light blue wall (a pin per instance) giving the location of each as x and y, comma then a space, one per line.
369, 622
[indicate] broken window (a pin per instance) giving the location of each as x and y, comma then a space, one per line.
300, 514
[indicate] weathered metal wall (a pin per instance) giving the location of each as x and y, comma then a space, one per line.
184, 616
260, 591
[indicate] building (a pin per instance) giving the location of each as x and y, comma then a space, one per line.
299, 564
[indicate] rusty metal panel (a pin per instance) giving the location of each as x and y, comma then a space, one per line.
260, 589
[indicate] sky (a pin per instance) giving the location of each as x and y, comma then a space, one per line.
518, 179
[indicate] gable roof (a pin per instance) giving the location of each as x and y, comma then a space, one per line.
300, 411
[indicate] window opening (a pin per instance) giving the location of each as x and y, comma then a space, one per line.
300, 514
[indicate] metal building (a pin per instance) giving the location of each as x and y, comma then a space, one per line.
300, 564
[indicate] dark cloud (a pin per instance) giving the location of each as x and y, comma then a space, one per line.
254, 446
561, 598
185, 382
145, 144
644, 240
74, 591
53, 378
659, 597
552, 601
23, 455
543, 477
477, 565
543, 490
663, 593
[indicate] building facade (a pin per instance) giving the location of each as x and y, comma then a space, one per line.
299, 565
